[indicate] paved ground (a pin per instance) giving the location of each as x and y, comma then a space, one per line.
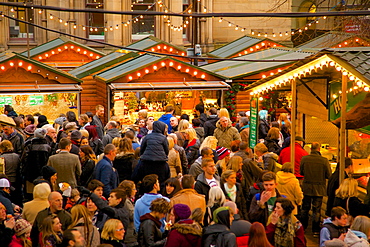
311, 241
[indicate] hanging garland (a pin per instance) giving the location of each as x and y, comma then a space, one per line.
230, 97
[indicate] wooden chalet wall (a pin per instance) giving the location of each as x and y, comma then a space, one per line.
243, 101
94, 93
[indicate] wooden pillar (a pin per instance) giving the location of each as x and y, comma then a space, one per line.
293, 120
342, 136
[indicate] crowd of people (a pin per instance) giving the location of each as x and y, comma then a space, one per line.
171, 182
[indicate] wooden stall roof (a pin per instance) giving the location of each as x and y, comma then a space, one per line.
239, 69
144, 61
101, 63
9, 59
356, 62
243, 45
335, 39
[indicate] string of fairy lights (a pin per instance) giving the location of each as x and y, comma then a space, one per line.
168, 22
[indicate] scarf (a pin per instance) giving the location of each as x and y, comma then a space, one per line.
231, 193
285, 231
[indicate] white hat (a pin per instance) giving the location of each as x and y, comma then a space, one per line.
4, 183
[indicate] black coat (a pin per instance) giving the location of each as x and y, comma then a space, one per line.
355, 206
272, 145
225, 238
333, 185
202, 187
192, 152
210, 125
154, 146
149, 232
240, 200
87, 171
123, 164
6, 235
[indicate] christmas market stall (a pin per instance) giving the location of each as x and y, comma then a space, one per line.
95, 92
30, 86
329, 101
151, 82
251, 68
63, 53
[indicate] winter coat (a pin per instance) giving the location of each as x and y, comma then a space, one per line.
123, 164
105, 173
17, 141
117, 212
32, 208
251, 172
316, 170
87, 172
130, 234
191, 198
272, 145
165, 118
180, 138
94, 236
110, 135
202, 187
6, 234
299, 153
326, 234
200, 133
184, 233
183, 159
356, 239
299, 239
210, 125
142, 206
240, 227
269, 162
226, 135
174, 162
99, 126
333, 185
243, 154
196, 167
149, 232
240, 200
244, 134
97, 146
225, 238
288, 185
355, 206
16, 242
5, 200
203, 118
154, 146
192, 150
35, 156
12, 165
256, 213
263, 129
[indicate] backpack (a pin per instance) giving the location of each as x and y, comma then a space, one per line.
214, 239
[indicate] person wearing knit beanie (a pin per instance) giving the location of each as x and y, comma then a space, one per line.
39, 133
181, 211
222, 152
22, 227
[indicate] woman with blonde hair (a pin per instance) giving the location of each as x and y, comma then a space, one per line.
359, 232
81, 221
347, 197
174, 161
113, 233
191, 145
180, 133
51, 232
235, 164
288, 185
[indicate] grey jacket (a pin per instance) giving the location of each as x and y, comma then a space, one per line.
110, 135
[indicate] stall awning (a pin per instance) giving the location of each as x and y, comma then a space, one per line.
46, 88
168, 86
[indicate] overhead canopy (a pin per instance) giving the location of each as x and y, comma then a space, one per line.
166, 86
243, 45
239, 69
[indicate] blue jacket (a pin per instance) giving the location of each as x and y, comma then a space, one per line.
105, 173
165, 118
154, 147
142, 207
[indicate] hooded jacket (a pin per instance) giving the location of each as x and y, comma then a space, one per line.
226, 135
123, 163
356, 239
149, 232
110, 135
154, 146
210, 125
288, 185
185, 233
202, 187
142, 206
165, 118
269, 161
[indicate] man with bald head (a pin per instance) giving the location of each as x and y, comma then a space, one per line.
55, 207
225, 133
174, 122
316, 170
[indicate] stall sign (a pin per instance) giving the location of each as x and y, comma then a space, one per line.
253, 123
6, 101
355, 96
36, 100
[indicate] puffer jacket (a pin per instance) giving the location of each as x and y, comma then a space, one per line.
269, 161
288, 185
154, 146
185, 234
110, 135
226, 135
149, 232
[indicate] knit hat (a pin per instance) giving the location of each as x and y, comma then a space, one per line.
40, 133
76, 135
30, 129
4, 183
22, 226
47, 172
60, 120
181, 211
222, 152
